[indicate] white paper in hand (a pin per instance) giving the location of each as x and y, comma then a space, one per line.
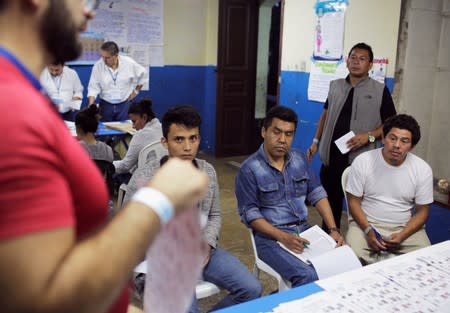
341, 143
174, 265
75, 104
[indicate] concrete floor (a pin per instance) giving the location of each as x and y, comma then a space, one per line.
234, 235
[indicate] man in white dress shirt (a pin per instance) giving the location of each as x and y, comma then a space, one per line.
116, 79
63, 86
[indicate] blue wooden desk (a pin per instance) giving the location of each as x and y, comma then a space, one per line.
103, 131
268, 303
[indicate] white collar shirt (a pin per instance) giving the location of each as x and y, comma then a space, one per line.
63, 89
116, 86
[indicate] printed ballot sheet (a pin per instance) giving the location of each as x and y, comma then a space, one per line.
416, 282
174, 265
341, 143
411, 283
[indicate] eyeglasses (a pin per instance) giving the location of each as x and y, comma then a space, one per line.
91, 5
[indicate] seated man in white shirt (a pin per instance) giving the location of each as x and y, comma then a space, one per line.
63, 86
389, 193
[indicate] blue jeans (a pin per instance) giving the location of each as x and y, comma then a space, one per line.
284, 263
227, 272
110, 112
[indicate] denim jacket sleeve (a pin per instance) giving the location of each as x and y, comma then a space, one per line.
247, 196
315, 189
303, 169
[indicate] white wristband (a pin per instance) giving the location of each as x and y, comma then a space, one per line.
136, 91
315, 140
157, 201
367, 230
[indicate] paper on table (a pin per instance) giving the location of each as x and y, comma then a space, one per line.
341, 143
174, 265
121, 126
71, 126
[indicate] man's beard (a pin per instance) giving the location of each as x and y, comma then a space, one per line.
59, 33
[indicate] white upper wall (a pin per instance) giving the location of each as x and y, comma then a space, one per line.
373, 22
190, 32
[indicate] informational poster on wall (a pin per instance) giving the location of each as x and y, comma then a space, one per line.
135, 25
329, 30
378, 70
323, 72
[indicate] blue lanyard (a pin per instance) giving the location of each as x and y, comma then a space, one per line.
57, 79
114, 77
25, 72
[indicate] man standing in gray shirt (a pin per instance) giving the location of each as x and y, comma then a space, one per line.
181, 137
356, 103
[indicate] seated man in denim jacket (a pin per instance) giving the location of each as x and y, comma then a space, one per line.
271, 188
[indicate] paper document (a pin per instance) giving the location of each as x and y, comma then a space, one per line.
125, 127
71, 126
341, 143
75, 104
174, 265
323, 254
141, 268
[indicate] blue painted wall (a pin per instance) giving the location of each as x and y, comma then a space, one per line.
174, 85
294, 94
196, 85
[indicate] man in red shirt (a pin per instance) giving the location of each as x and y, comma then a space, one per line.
57, 253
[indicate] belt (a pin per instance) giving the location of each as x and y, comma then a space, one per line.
292, 224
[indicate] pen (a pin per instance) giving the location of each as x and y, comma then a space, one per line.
304, 243
377, 234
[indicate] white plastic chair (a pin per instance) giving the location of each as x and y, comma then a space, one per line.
260, 265
203, 288
151, 152
344, 179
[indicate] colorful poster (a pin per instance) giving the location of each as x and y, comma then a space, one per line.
322, 73
329, 30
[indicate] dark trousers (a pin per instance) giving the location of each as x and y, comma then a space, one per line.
69, 115
110, 112
330, 177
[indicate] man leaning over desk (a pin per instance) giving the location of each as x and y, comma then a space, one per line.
271, 188
116, 79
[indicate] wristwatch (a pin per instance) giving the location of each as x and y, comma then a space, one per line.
371, 137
